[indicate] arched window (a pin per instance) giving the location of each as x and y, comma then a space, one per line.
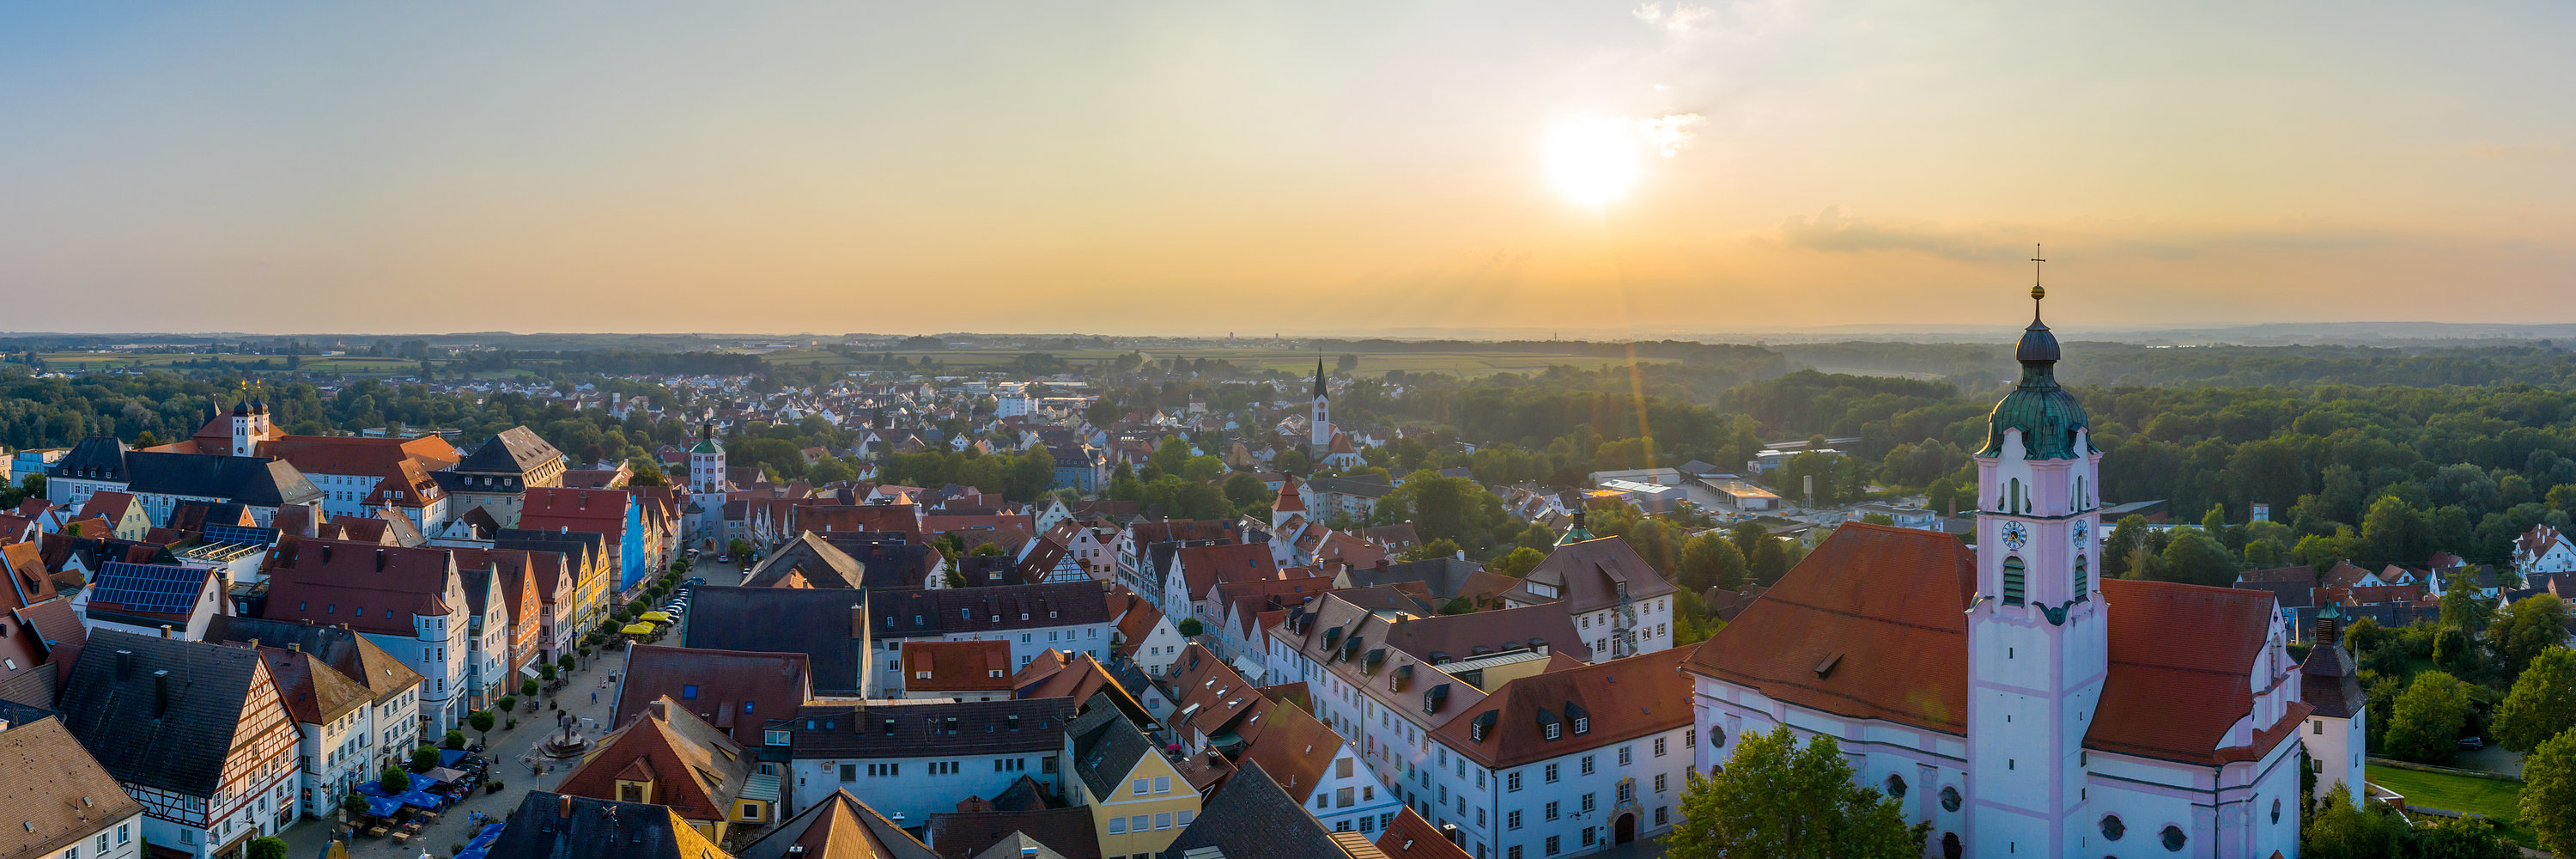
2016, 497
2083, 572
1895, 786
2013, 580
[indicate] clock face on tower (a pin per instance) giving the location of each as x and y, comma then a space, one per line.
2080, 532
2016, 535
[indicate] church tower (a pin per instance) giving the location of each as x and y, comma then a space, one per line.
1319, 431
2038, 632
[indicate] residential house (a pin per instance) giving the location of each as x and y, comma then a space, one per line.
497, 475
125, 516
610, 513
66, 804
912, 760
585, 558
829, 626
669, 757
149, 598
837, 826
195, 731
334, 720
1252, 818
360, 475
408, 601
559, 826
1032, 618
732, 690
962, 670
1622, 605
392, 716
41, 634
1138, 799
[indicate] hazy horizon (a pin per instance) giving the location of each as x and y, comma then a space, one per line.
1149, 169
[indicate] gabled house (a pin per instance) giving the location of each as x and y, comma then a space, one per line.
408, 601
1139, 801
838, 826
669, 757
392, 718
195, 731
64, 803
1619, 603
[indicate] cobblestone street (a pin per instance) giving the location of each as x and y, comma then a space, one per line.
509, 750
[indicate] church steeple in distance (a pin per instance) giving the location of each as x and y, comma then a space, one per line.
1319, 375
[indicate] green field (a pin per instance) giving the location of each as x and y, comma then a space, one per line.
2498, 800
343, 365
1462, 364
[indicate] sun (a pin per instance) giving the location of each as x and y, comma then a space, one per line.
1593, 162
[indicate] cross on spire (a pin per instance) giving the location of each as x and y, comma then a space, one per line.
2037, 292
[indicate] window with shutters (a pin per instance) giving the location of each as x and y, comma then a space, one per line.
2012, 581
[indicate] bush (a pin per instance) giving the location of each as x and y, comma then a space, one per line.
1190, 627
394, 779
564, 662
455, 739
528, 686
426, 757
507, 703
547, 671
267, 847
356, 804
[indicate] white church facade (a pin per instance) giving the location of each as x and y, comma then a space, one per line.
2006, 693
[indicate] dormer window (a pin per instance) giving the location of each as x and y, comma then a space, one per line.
1552, 730
1583, 724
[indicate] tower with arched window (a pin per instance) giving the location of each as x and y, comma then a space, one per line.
2038, 631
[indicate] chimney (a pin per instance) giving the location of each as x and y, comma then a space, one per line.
295, 646
380, 560
165, 630
160, 693
563, 806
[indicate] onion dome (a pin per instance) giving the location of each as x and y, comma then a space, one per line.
2047, 415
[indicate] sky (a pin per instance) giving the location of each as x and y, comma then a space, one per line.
1297, 167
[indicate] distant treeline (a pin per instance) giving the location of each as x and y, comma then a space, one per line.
617, 362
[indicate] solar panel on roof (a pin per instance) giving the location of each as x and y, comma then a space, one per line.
240, 534
149, 587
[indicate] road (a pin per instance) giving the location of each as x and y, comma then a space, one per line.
506, 747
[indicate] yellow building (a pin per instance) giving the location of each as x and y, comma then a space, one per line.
1139, 802
668, 756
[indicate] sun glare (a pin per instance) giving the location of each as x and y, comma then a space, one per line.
1593, 162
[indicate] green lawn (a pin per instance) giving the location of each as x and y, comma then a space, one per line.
2500, 800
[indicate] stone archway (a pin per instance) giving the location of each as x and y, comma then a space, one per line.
1624, 829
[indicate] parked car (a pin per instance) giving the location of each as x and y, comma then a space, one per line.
2473, 743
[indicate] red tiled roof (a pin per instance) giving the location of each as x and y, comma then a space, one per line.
1623, 699
957, 666
1411, 837
2183, 661
1204, 567
1888, 601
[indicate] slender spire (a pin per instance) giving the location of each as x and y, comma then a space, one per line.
2037, 292
1319, 374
